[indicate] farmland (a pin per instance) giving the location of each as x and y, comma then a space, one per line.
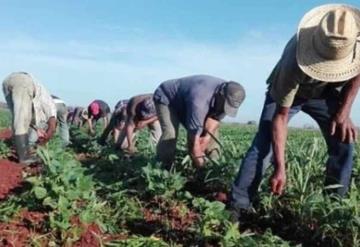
88, 195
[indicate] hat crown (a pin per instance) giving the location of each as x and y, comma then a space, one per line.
336, 34
234, 93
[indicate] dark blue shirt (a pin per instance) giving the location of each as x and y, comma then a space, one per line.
191, 97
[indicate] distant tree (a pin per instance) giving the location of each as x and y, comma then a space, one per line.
251, 122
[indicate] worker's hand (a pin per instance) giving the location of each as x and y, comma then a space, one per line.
140, 125
43, 137
344, 129
92, 132
199, 161
278, 182
131, 150
41, 133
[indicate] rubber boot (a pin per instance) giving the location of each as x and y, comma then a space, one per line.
22, 149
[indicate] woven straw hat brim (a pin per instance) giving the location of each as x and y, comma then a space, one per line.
315, 66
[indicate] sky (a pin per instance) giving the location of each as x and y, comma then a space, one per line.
114, 49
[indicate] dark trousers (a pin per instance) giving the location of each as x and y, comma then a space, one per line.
258, 157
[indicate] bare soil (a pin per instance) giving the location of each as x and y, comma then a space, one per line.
5, 134
10, 177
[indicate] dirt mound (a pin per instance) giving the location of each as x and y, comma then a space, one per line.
10, 177
17, 233
13, 235
5, 134
91, 234
176, 217
90, 237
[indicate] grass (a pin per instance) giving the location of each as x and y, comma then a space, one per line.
136, 203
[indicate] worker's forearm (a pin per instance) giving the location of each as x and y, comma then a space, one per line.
279, 135
211, 126
195, 147
148, 121
129, 133
348, 96
89, 121
51, 127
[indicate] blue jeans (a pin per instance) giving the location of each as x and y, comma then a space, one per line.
258, 157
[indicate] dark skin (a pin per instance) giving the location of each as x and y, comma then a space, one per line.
341, 127
45, 136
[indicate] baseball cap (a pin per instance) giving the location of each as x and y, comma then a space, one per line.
234, 95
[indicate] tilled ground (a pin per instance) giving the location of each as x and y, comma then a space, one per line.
24, 227
10, 177
5, 134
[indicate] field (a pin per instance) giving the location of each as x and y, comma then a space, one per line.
87, 195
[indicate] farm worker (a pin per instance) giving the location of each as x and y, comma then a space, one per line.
62, 114
199, 103
318, 74
117, 122
79, 116
32, 109
70, 115
96, 110
141, 113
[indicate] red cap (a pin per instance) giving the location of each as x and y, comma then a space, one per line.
95, 108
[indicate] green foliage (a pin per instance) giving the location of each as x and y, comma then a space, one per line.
4, 150
115, 192
5, 118
138, 242
162, 182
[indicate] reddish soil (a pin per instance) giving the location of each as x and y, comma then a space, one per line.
13, 235
5, 134
90, 237
176, 217
91, 234
10, 177
17, 233
34, 220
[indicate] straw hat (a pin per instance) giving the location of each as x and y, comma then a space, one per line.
328, 47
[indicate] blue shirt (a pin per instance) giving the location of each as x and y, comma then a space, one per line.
191, 97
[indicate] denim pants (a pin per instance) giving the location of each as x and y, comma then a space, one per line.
258, 157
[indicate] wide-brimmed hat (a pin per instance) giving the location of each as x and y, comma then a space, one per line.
234, 95
328, 43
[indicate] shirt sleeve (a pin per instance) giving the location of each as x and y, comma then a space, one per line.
283, 91
49, 105
286, 76
195, 117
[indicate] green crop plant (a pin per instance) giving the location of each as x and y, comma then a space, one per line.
109, 188
162, 182
4, 150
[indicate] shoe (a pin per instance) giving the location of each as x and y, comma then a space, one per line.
240, 215
234, 215
22, 150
